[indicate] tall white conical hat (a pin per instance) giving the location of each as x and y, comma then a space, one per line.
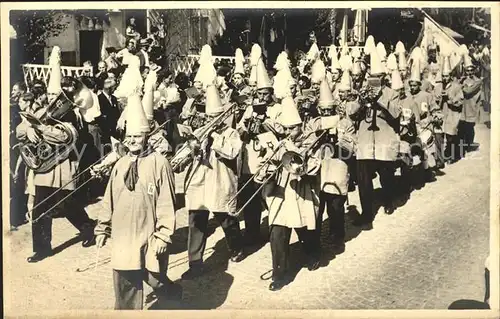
402, 65
369, 45
467, 61
345, 82
206, 74
289, 114
213, 102
148, 97
418, 54
356, 68
282, 61
346, 63
355, 53
382, 53
396, 82
255, 56
416, 72
446, 65
400, 48
263, 80
313, 53
282, 82
318, 71
136, 121
376, 66
392, 62
335, 60
332, 51
54, 86
239, 60
206, 54
326, 99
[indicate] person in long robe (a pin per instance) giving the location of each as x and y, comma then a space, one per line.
211, 182
138, 213
293, 201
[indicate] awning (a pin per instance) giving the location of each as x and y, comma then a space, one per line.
475, 26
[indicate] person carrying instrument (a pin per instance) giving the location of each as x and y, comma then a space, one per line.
452, 99
210, 182
292, 198
57, 183
424, 117
377, 117
336, 152
138, 213
261, 117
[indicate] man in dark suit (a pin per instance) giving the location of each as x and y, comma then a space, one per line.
142, 53
110, 112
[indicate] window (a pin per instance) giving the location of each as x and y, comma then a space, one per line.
198, 35
68, 58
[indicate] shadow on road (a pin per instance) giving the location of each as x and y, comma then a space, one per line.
463, 304
67, 244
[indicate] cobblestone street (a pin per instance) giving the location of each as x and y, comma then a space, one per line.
426, 255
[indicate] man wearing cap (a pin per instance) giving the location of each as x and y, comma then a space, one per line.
378, 141
142, 53
138, 213
53, 186
452, 99
336, 153
211, 181
473, 100
292, 199
261, 117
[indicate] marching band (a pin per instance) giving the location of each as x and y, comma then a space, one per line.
293, 143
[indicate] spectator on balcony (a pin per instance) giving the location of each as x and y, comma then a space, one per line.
142, 53
131, 30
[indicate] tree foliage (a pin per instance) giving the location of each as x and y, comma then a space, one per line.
34, 27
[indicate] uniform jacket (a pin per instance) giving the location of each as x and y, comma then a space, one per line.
291, 202
473, 97
452, 107
381, 144
138, 218
211, 181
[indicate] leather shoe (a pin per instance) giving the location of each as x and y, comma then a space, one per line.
192, 273
388, 209
238, 256
36, 257
88, 241
313, 264
276, 285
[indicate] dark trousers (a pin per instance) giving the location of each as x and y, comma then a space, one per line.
71, 209
197, 238
334, 205
18, 201
128, 286
366, 170
452, 151
439, 141
280, 246
466, 133
253, 211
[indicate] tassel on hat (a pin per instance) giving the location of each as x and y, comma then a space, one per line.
396, 82
318, 71
148, 98
345, 82
263, 80
369, 45
325, 95
135, 118
54, 86
213, 102
400, 48
446, 65
415, 71
289, 114
239, 60
376, 66
255, 56
392, 63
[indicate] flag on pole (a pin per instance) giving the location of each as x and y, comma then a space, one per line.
433, 32
360, 24
344, 31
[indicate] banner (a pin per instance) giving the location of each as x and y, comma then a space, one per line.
432, 32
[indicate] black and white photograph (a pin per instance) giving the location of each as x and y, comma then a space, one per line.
273, 156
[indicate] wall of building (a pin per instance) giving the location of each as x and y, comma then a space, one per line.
67, 41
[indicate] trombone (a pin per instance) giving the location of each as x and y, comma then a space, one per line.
288, 161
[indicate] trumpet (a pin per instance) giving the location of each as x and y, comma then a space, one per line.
184, 155
291, 161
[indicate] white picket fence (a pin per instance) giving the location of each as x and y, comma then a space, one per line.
42, 72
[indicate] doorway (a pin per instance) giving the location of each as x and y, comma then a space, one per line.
90, 46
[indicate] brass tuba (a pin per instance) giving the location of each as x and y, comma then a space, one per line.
46, 154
